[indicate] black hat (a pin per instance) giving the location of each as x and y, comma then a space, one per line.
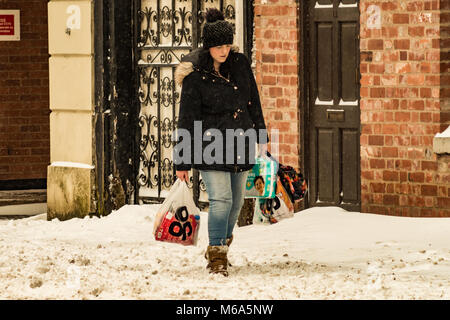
216, 31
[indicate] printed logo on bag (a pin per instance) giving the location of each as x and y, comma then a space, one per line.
180, 227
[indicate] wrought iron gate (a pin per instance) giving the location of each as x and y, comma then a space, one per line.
165, 31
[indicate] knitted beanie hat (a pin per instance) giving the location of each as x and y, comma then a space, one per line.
216, 31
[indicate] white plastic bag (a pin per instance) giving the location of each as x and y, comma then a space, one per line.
270, 211
178, 218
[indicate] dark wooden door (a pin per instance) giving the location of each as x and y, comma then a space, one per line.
333, 104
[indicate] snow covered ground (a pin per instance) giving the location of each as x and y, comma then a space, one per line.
320, 253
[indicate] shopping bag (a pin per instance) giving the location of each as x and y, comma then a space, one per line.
260, 213
293, 182
283, 195
178, 218
262, 179
280, 210
270, 211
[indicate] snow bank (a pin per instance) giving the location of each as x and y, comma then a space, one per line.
320, 253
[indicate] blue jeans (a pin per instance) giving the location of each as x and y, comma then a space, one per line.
226, 192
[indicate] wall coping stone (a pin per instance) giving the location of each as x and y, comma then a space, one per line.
441, 142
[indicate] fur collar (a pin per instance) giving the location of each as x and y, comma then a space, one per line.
186, 65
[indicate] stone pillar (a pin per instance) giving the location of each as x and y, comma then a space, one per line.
70, 175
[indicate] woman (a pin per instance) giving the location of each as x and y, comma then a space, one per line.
218, 93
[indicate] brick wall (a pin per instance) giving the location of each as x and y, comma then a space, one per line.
24, 96
403, 86
277, 72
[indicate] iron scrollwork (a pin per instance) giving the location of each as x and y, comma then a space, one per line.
148, 34
184, 32
148, 143
147, 81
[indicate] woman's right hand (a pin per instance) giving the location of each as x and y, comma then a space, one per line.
183, 175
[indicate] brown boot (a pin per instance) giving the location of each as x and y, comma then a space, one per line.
217, 259
228, 243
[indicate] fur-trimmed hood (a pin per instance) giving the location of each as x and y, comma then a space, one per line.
189, 62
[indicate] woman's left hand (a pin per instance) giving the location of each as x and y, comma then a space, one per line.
183, 175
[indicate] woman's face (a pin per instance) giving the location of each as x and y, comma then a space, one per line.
259, 185
220, 53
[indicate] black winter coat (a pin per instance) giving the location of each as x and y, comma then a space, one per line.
221, 104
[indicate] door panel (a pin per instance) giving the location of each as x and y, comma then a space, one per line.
325, 164
348, 62
325, 61
333, 104
350, 160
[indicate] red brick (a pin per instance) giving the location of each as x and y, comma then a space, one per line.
427, 190
415, 80
415, 6
377, 92
268, 57
390, 175
377, 187
390, 129
416, 177
416, 105
390, 152
377, 163
275, 92
402, 44
402, 67
425, 92
375, 44
388, 140
270, 10
443, 202
269, 80
376, 68
368, 175
399, 18
376, 140
425, 212
429, 165
290, 69
391, 200
402, 116
403, 164
377, 209
416, 31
